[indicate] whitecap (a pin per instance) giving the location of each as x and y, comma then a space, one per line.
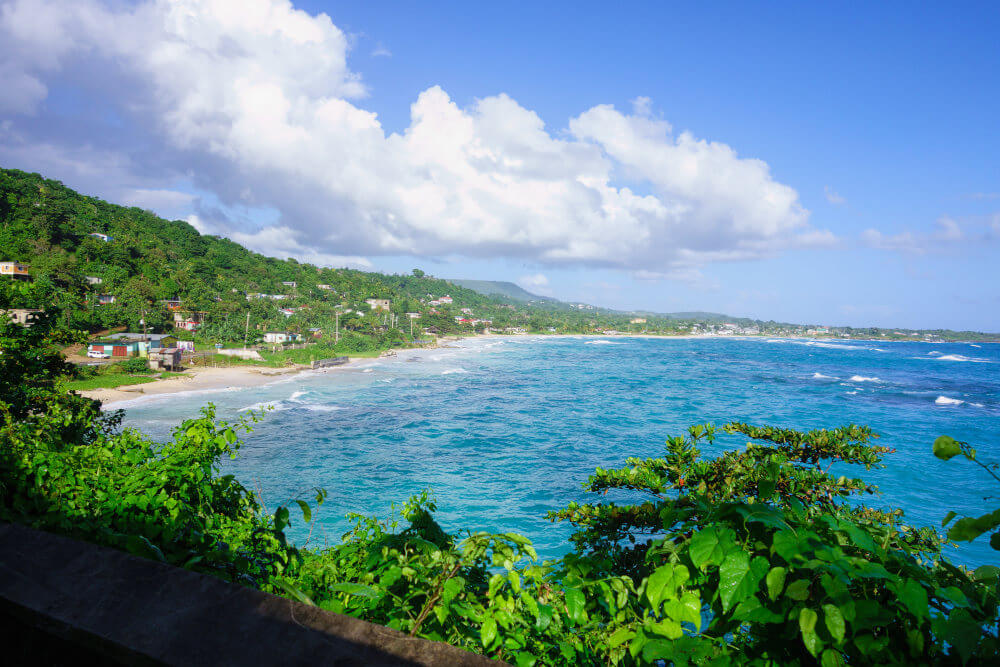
976, 405
851, 393
959, 357
264, 405
974, 345
295, 396
944, 400
366, 370
862, 378
601, 342
319, 407
452, 371
820, 376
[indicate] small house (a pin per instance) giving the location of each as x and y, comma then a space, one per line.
103, 237
281, 337
93, 280
445, 299
22, 316
15, 270
413, 316
105, 299
290, 283
637, 320
316, 332
379, 304
188, 321
172, 304
131, 344
326, 287
165, 359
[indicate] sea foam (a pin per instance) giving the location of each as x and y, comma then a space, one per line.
944, 400
862, 378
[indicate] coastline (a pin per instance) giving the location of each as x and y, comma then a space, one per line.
241, 377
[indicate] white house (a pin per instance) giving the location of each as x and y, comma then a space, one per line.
93, 280
378, 304
103, 237
281, 337
446, 299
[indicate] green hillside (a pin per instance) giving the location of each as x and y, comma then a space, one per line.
500, 288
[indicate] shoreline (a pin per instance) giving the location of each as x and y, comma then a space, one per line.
245, 377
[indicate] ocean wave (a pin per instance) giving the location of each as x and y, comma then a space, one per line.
960, 357
366, 370
320, 407
297, 395
264, 405
862, 378
820, 376
601, 342
974, 345
944, 400
452, 371
851, 393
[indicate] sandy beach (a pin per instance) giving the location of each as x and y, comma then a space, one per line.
200, 379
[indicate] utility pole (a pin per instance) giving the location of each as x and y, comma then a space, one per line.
246, 331
336, 335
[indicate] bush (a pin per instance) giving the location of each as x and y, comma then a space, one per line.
135, 365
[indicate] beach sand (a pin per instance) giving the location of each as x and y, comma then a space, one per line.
199, 379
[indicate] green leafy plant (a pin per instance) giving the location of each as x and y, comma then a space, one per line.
967, 529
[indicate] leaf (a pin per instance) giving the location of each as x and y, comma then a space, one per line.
831, 658
798, 589
913, 595
775, 582
575, 605
739, 577
946, 447
986, 573
656, 649
353, 588
293, 591
752, 611
544, 617
709, 546
968, 528
306, 511
668, 628
948, 517
807, 625
526, 659
687, 609
620, 636
834, 622
664, 581
488, 633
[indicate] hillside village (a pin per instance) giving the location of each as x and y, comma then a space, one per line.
135, 283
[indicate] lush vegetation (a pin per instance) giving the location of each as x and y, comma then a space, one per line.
757, 556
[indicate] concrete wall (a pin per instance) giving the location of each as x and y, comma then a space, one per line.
63, 601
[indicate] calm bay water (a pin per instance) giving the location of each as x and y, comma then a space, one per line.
503, 430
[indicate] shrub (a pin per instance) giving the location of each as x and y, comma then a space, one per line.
135, 365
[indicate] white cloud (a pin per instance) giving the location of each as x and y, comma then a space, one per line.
381, 52
946, 232
255, 101
537, 284
832, 196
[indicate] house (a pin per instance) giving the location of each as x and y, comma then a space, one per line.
467, 311
281, 337
103, 237
93, 280
105, 299
326, 287
185, 345
378, 304
435, 302
275, 297
287, 312
172, 304
445, 299
290, 283
22, 316
188, 321
165, 359
131, 344
15, 270
637, 320
413, 316
316, 332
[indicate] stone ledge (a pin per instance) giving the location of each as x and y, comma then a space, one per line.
130, 610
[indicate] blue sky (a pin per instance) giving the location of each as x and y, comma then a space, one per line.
847, 157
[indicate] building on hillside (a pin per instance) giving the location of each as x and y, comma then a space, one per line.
22, 316
131, 344
165, 359
172, 304
379, 304
290, 283
281, 337
446, 299
637, 320
467, 311
185, 345
93, 280
316, 332
103, 237
435, 302
275, 297
189, 321
326, 287
413, 316
287, 312
105, 299
15, 270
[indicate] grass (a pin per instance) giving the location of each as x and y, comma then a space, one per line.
113, 380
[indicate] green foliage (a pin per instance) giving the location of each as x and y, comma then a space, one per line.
967, 529
757, 556
135, 365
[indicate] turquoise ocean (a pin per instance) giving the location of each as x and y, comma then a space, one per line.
502, 430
